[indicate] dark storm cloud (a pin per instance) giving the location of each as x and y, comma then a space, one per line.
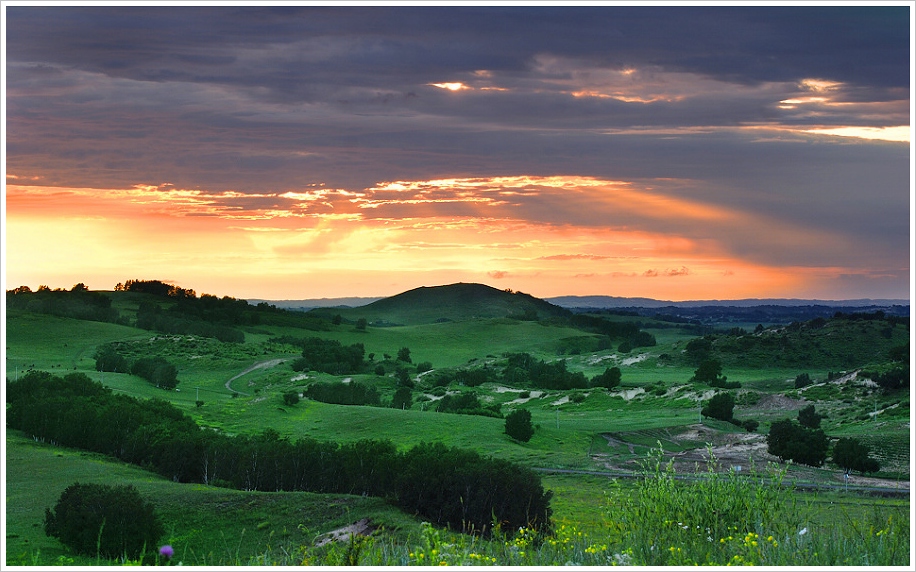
860, 45
272, 99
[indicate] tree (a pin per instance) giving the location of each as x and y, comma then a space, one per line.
404, 355
852, 455
709, 372
403, 376
802, 380
403, 398
609, 379
361, 326
157, 371
790, 440
698, 349
721, 406
291, 398
112, 521
518, 425
108, 359
808, 418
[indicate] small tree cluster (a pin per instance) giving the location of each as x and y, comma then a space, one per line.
802, 380
353, 393
809, 418
721, 406
518, 425
156, 370
111, 521
851, 455
291, 398
793, 441
710, 373
402, 399
609, 379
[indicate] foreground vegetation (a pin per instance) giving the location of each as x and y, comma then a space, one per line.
637, 405
656, 520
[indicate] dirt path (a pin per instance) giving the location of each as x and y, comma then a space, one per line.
259, 365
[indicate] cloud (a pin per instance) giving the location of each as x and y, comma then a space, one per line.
770, 134
670, 272
497, 274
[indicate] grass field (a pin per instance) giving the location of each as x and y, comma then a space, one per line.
219, 527
238, 388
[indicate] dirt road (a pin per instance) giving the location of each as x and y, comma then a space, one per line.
259, 365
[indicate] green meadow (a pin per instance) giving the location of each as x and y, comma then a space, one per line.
590, 445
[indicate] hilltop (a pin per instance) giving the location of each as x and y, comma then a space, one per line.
449, 303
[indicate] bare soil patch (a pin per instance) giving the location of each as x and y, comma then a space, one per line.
362, 527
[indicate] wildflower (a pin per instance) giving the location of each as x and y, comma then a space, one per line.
166, 551
803, 531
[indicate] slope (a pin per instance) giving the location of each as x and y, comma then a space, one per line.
453, 302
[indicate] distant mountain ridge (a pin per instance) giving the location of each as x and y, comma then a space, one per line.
621, 302
610, 302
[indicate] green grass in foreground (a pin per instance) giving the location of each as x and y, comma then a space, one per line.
658, 521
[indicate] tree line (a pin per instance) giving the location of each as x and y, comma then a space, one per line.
156, 370
449, 486
78, 303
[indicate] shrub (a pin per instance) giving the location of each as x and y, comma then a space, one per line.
790, 440
353, 393
108, 359
110, 521
157, 371
809, 418
750, 424
609, 379
802, 380
721, 406
851, 455
402, 399
710, 373
291, 398
518, 425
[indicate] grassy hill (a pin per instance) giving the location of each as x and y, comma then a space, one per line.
454, 302
207, 525
452, 327
842, 342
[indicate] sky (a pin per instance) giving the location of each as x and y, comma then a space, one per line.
291, 152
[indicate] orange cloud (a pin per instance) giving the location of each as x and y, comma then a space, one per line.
632, 239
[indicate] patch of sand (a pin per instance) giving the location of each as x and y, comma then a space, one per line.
636, 359
362, 527
629, 394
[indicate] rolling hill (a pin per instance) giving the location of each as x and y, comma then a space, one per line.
453, 302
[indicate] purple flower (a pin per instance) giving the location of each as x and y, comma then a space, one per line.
166, 551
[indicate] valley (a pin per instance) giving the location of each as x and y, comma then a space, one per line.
494, 351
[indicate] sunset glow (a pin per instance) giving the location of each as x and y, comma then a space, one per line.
315, 159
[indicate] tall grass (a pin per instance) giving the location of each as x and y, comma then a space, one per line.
706, 518
663, 519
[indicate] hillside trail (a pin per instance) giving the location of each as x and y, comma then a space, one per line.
258, 365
